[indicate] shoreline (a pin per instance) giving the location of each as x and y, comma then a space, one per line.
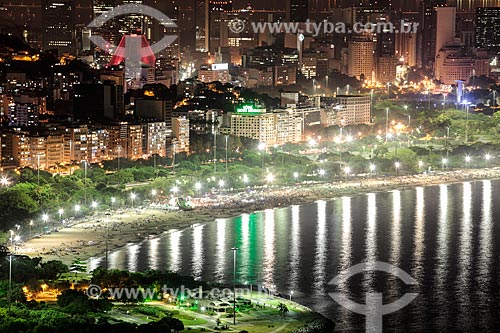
86, 239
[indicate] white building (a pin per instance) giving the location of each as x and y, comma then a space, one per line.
353, 109
180, 131
215, 72
268, 127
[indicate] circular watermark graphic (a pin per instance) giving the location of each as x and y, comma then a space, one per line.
236, 25
93, 291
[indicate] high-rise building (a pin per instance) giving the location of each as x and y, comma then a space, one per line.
353, 110
360, 62
471, 5
218, 23
101, 6
180, 133
445, 26
297, 10
98, 101
154, 138
487, 28
58, 22
427, 31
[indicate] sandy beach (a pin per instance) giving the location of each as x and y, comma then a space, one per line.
87, 238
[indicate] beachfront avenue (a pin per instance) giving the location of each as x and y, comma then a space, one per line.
402, 143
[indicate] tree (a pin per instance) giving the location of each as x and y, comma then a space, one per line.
52, 270
282, 308
78, 266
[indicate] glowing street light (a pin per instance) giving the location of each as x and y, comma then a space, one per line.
397, 165
175, 189
31, 226
132, 198
77, 208
347, 171
487, 157
420, 164
245, 178
198, 186
154, 192
295, 175
467, 160
61, 212
322, 172
445, 161
93, 204
45, 218
113, 200
4, 181
270, 178
372, 168
261, 146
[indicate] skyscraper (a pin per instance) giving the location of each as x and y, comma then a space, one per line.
58, 22
297, 10
427, 32
361, 58
487, 32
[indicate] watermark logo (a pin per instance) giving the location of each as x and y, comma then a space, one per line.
373, 309
324, 27
236, 26
165, 292
133, 51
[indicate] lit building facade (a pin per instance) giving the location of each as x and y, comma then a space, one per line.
58, 22
268, 127
353, 109
360, 59
180, 133
487, 33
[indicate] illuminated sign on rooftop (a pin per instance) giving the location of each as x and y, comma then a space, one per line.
249, 109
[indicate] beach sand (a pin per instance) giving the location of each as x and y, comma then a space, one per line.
87, 238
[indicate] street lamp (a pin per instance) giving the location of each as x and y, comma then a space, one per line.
295, 175
197, 186
420, 164
175, 189
487, 157
291, 294
107, 237
221, 184
397, 165
93, 204
113, 200
466, 121
322, 172
347, 171
234, 249
31, 226
467, 160
132, 198
262, 147
386, 124
245, 179
445, 161
85, 181
77, 209
45, 218
372, 168
270, 178
4, 181
226, 150
61, 212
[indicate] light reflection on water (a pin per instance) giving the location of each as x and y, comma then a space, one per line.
444, 236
